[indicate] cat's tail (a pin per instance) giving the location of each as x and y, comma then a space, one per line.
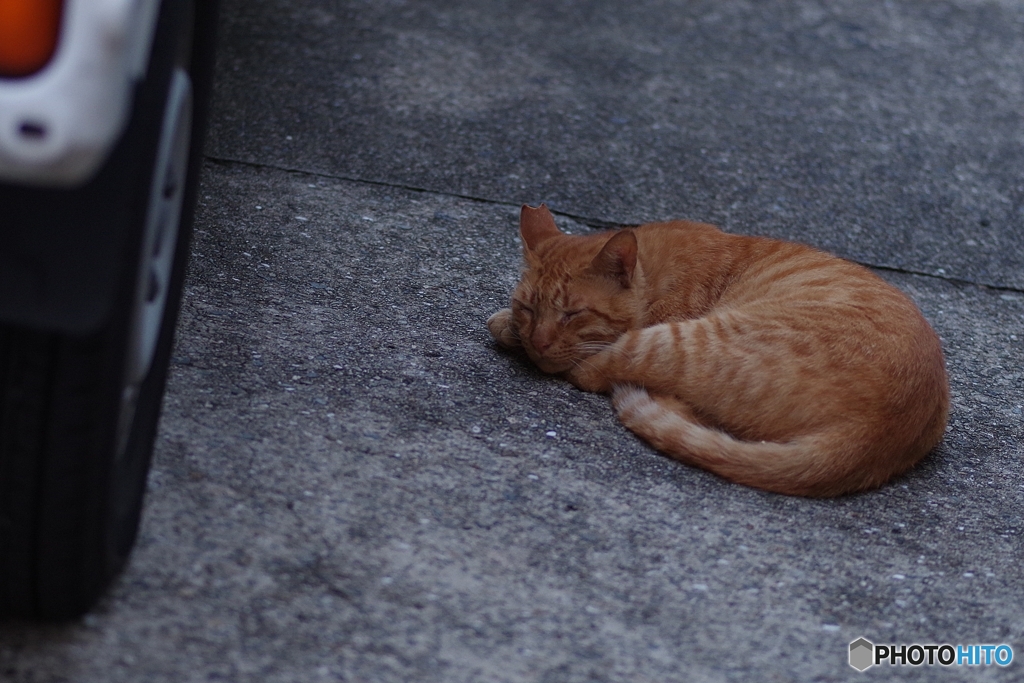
812, 465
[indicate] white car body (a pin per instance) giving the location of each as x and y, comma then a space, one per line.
58, 125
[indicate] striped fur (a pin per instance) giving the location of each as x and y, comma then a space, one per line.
769, 363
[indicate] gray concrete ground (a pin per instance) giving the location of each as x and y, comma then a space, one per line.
351, 483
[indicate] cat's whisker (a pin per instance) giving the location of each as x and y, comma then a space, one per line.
595, 348
579, 362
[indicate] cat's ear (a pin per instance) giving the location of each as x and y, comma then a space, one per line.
536, 225
617, 259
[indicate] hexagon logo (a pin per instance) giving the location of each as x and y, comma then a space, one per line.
862, 654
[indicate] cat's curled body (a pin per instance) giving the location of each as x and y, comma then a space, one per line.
767, 362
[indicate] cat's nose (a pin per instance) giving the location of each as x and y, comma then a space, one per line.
541, 341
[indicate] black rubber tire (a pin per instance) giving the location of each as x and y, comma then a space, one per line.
69, 508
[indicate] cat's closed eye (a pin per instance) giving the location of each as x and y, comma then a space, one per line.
520, 307
569, 315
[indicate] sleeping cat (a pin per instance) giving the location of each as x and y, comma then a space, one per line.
769, 363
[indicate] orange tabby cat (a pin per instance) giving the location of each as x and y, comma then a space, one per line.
769, 363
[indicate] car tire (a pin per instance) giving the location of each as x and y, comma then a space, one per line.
79, 412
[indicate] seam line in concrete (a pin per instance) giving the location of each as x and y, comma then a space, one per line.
586, 220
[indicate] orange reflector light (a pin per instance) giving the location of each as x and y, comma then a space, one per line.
28, 35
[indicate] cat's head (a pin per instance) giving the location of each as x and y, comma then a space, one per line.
577, 293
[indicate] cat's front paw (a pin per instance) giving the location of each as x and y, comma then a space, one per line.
502, 329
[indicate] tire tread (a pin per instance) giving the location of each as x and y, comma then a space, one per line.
25, 376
